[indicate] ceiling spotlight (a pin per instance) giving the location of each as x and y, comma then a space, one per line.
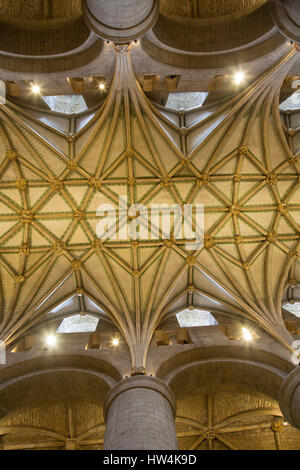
35, 88
247, 335
101, 86
239, 78
51, 341
115, 342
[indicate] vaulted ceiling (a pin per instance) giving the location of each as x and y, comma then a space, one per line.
234, 158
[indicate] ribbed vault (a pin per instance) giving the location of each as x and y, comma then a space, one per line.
209, 8
55, 426
220, 407
37, 10
234, 158
233, 421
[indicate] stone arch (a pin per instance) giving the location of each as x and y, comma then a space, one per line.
239, 366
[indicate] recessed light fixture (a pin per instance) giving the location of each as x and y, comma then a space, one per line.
101, 86
115, 342
247, 335
51, 341
239, 77
35, 88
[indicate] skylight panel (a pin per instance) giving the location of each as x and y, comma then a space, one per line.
293, 308
196, 317
185, 100
78, 324
67, 104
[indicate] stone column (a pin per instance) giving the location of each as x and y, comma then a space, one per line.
139, 414
286, 16
120, 20
289, 398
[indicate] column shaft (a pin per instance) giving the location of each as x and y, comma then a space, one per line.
139, 414
289, 398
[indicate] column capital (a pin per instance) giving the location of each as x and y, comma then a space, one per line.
123, 21
286, 16
137, 382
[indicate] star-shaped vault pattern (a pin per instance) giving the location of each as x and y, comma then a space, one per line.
43, 438
221, 430
234, 158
